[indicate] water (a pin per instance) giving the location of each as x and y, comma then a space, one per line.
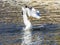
27, 37
13, 35
26, 31
38, 38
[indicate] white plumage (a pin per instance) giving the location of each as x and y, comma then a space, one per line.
25, 19
27, 33
32, 12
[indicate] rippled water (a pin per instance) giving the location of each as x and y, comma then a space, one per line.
39, 37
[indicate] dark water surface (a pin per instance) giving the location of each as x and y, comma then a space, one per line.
47, 34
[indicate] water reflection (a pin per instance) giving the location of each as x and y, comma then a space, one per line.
39, 37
